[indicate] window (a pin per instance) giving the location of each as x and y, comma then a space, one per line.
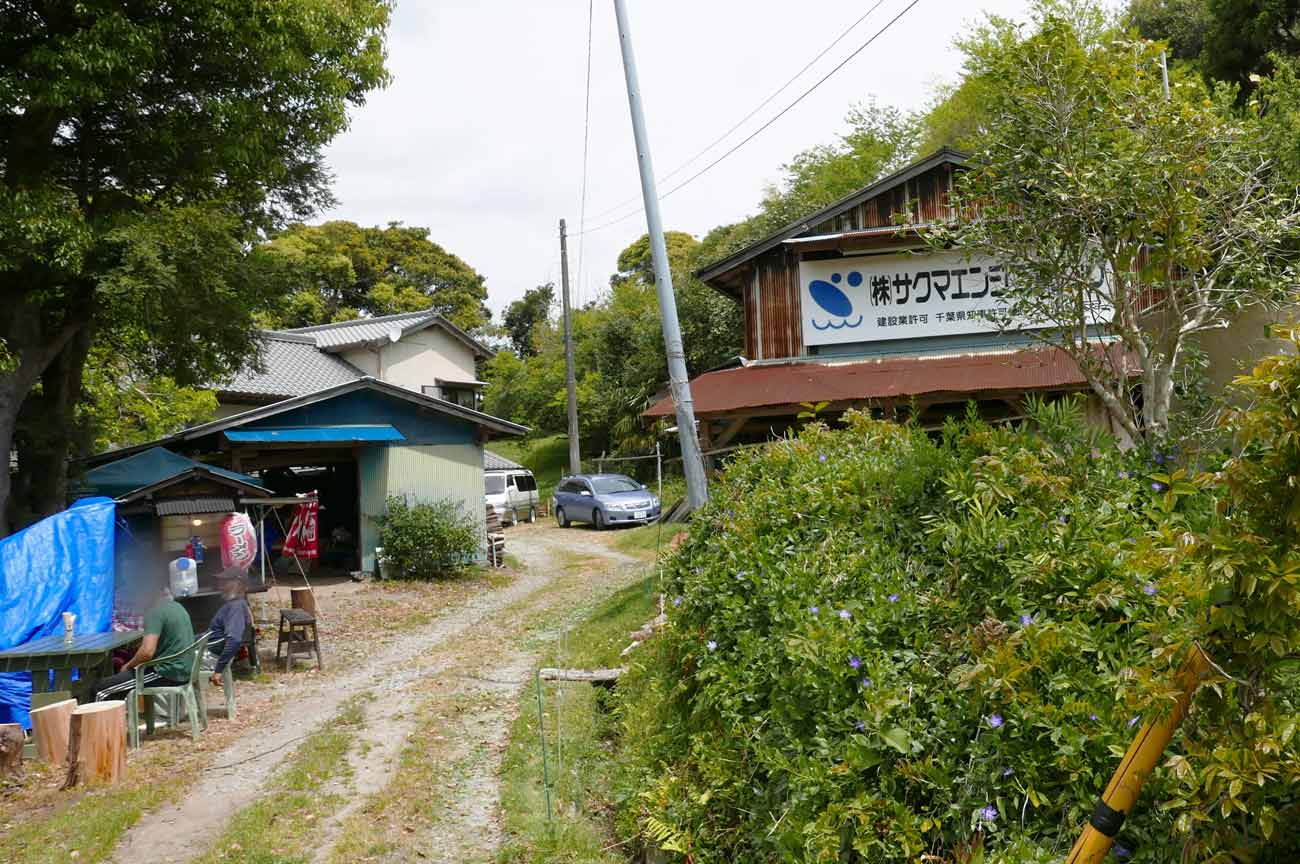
495, 484
574, 486
610, 485
526, 482
510, 481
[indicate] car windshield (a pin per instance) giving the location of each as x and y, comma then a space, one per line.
495, 485
609, 485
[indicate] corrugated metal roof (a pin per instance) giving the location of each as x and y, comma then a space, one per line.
497, 462
762, 386
186, 506
318, 434
294, 366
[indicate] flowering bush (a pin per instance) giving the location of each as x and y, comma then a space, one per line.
885, 646
428, 538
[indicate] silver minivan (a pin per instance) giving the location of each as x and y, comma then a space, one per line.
512, 493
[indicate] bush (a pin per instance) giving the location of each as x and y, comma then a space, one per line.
884, 646
429, 538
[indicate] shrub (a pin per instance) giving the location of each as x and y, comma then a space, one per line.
885, 646
428, 538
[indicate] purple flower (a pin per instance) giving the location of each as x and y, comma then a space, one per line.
855, 662
1122, 852
893, 598
711, 645
1157, 486
813, 610
1008, 771
1063, 519
677, 601
845, 614
1159, 459
1026, 620
866, 683
989, 813
821, 457
860, 726
1093, 717
1123, 475
1002, 544
995, 721
1149, 589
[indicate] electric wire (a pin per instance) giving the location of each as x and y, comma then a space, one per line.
759, 107
586, 137
762, 128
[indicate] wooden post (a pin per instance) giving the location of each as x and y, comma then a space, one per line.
304, 599
50, 726
11, 750
97, 744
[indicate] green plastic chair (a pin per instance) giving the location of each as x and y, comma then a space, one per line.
190, 694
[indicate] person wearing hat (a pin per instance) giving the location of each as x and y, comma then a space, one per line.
226, 632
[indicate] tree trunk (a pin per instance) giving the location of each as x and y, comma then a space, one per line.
50, 726
11, 750
97, 744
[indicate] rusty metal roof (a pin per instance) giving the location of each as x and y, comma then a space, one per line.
761, 386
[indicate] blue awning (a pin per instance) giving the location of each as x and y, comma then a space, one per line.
315, 434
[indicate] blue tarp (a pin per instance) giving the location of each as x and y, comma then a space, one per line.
309, 434
148, 468
60, 564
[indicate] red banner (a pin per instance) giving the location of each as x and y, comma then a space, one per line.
238, 541
302, 540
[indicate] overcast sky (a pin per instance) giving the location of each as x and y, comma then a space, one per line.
479, 137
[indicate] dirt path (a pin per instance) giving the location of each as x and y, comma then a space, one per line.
470, 652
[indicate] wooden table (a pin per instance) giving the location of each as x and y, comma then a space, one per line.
90, 653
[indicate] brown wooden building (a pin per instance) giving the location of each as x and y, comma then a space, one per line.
851, 308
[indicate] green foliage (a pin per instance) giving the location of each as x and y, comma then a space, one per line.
1101, 196
339, 271
884, 646
523, 316
546, 456
120, 408
428, 538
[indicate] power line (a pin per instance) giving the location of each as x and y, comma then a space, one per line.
586, 136
759, 107
760, 129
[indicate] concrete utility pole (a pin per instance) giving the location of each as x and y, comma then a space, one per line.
570, 378
697, 484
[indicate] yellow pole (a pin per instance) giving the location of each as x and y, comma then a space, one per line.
1138, 763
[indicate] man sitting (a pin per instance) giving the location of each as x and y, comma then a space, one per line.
226, 632
167, 630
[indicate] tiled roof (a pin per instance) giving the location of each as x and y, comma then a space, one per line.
789, 384
495, 462
368, 331
294, 366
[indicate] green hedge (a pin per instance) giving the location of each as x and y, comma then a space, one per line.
885, 645
428, 538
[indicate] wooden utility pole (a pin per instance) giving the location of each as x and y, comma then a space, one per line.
570, 377
697, 483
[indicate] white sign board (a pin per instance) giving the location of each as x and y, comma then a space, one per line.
899, 296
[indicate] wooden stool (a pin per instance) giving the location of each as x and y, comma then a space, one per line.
294, 624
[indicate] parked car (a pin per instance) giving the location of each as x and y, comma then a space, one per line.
602, 500
513, 494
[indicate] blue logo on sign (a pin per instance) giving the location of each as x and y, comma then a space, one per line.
835, 302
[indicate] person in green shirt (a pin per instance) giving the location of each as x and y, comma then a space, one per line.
167, 630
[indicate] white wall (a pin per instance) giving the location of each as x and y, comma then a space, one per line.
417, 360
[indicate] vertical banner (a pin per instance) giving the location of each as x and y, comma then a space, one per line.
302, 540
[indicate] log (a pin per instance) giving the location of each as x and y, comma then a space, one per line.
304, 599
97, 744
11, 750
591, 676
50, 726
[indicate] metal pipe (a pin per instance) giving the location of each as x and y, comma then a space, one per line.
697, 484
546, 770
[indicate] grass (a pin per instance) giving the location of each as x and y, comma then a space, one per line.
580, 760
646, 539
280, 828
547, 457
90, 828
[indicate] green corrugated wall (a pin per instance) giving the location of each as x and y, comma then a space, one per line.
421, 473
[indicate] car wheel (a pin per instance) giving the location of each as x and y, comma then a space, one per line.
598, 520
560, 518
514, 517
532, 515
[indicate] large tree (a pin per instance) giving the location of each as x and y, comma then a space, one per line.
525, 314
339, 271
144, 147
1119, 213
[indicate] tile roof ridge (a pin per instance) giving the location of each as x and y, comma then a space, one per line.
357, 322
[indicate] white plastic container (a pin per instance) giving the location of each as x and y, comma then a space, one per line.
184, 575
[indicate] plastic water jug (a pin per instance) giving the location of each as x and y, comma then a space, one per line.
184, 577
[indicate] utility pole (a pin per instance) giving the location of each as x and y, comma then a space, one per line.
697, 484
570, 379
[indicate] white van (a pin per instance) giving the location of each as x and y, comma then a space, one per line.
512, 493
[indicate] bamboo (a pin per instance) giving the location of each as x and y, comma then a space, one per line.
1141, 759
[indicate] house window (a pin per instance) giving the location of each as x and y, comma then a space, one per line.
466, 397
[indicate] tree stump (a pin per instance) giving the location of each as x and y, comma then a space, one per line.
304, 599
97, 744
50, 726
11, 750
